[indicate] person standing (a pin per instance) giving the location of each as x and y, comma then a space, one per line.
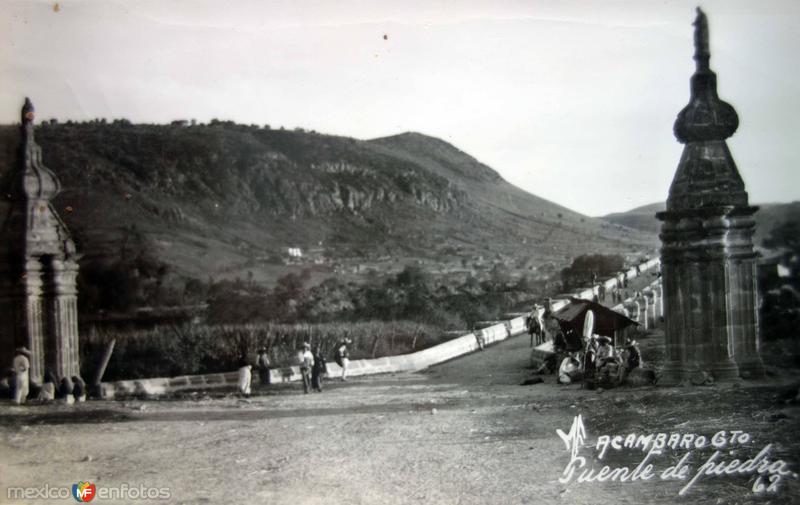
540, 320
551, 325
263, 365
21, 366
306, 360
245, 376
319, 369
480, 337
343, 357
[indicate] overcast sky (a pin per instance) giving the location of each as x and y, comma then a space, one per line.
573, 101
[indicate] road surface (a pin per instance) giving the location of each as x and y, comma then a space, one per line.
463, 432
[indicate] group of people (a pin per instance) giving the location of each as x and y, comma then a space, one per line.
598, 364
313, 366
18, 386
592, 360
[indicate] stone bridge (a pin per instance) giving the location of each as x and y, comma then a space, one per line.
645, 310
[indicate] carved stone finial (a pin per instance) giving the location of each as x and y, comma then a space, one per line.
28, 112
37, 181
702, 53
706, 117
27, 115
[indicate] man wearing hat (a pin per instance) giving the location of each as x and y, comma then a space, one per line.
263, 366
21, 366
306, 360
605, 351
632, 358
319, 369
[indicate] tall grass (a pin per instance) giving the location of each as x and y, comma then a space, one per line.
194, 349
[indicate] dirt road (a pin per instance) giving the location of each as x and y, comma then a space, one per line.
463, 432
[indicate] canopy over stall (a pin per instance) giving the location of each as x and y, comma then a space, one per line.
572, 318
606, 321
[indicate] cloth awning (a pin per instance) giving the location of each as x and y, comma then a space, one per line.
606, 321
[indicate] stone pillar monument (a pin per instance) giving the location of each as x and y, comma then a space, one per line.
707, 256
38, 266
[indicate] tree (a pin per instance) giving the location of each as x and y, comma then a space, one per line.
586, 267
414, 285
287, 296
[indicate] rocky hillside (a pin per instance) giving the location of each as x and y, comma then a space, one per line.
226, 200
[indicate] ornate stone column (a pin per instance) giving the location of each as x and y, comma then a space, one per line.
23, 321
743, 299
35, 319
707, 256
660, 293
645, 305
650, 298
38, 267
62, 308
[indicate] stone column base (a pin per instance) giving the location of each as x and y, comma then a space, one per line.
675, 373
724, 371
672, 374
752, 369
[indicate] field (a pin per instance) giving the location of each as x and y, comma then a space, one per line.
168, 351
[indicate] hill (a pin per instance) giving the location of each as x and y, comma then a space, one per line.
225, 200
641, 218
768, 217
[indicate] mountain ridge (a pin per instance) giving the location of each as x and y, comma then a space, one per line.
225, 200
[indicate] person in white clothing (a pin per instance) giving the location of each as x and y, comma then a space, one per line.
343, 357
21, 366
570, 370
245, 376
